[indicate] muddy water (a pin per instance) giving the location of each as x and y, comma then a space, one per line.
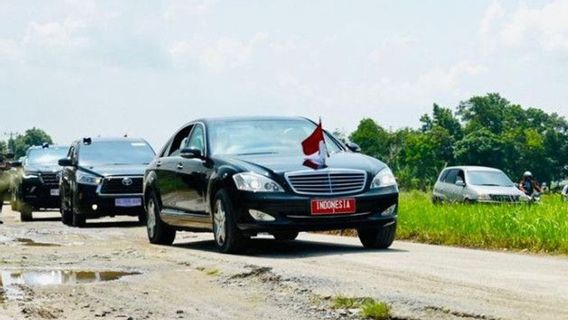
12, 280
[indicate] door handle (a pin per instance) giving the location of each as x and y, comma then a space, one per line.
159, 164
180, 166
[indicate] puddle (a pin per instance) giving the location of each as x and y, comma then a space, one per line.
11, 282
31, 243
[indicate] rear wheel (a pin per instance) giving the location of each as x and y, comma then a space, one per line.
285, 235
158, 231
26, 212
377, 238
228, 237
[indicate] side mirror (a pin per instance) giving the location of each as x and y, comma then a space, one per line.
65, 162
460, 183
353, 146
191, 153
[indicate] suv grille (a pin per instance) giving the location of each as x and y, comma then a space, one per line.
327, 182
116, 185
50, 179
504, 198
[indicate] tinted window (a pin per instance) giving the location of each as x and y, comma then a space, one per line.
115, 152
197, 140
444, 175
241, 137
489, 178
46, 156
179, 140
451, 176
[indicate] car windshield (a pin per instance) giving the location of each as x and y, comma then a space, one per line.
115, 152
489, 178
251, 137
46, 156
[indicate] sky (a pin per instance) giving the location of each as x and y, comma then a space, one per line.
144, 68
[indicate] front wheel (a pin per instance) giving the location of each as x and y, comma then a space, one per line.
66, 213
158, 231
377, 238
228, 237
26, 212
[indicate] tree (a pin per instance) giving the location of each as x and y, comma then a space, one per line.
32, 137
372, 139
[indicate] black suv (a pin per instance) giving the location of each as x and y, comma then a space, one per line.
38, 187
103, 177
239, 177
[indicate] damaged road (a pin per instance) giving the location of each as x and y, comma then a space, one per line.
109, 270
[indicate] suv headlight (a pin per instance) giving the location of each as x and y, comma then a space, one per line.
87, 178
30, 175
384, 178
254, 182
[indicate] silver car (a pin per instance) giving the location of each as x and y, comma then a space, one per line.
475, 184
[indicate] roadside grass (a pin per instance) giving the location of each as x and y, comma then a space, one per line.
369, 307
541, 227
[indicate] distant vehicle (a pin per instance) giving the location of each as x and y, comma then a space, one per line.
38, 185
103, 177
239, 177
476, 184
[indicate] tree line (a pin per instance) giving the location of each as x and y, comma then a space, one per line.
483, 130
19, 143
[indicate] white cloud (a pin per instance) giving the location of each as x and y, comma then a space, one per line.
186, 8
218, 55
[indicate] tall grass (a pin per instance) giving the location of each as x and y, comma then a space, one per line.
540, 227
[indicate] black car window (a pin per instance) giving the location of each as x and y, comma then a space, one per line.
197, 140
115, 152
451, 177
179, 141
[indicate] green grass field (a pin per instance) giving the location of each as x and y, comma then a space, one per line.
540, 227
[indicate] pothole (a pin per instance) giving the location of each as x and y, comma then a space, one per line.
12, 281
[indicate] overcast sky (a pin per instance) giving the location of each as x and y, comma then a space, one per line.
88, 68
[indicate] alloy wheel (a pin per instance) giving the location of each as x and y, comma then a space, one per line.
220, 218
151, 223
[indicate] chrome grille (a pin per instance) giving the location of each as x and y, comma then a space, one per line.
50, 179
114, 185
327, 182
504, 197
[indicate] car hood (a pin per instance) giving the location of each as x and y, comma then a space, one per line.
42, 168
279, 164
496, 190
116, 170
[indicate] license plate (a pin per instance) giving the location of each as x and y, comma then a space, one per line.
333, 206
128, 202
54, 192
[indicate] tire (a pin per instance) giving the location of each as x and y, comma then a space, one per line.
285, 235
78, 220
26, 212
142, 219
158, 231
66, 214
377, 238
228, 237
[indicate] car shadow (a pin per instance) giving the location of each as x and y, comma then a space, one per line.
112, 224
264, 247
45, 219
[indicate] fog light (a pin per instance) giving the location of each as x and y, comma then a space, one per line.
261, 216
95, 207
390, 211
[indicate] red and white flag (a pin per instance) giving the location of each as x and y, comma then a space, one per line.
315, 149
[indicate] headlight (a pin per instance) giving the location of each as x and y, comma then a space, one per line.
384, 178
30, 175
87, 178
483, 196
253, 182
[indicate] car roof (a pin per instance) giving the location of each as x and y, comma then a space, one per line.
473, 168
251, 118
51, 146
113, 139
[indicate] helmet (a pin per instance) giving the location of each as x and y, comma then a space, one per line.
527, 174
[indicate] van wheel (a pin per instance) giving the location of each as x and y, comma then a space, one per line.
26, 212
285, 235
377, 238
228, 237
158, 231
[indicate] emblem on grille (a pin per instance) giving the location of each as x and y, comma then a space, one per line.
127, 182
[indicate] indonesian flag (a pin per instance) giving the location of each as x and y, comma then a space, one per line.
315, 149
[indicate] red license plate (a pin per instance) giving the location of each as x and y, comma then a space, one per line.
333, 206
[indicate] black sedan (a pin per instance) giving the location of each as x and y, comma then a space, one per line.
239, 177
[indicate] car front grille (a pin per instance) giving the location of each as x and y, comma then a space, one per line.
504, 197
120, 185
50, 179
327, 182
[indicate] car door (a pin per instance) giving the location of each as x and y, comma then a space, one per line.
450, 185
167, 170
192, 174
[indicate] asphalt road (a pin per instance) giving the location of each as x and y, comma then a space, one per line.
273, 280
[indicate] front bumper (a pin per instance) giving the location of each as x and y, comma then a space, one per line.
293, 212
39, 195
92, 204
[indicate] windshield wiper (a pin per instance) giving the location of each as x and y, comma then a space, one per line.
492, 185
255, 153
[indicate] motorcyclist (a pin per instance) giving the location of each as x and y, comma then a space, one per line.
529, 185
